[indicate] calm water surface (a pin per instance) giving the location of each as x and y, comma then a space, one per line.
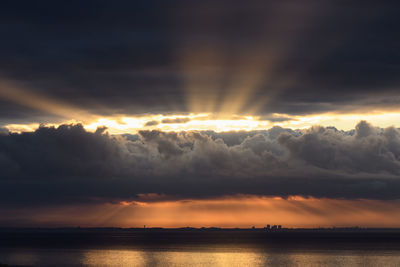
168, 248
100, 257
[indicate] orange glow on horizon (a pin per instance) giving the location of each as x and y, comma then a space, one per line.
235, 211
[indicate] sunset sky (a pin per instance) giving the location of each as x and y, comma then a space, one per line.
199, 113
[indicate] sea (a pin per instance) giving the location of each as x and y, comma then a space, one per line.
196, 247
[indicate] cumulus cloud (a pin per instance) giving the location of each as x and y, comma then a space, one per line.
71, 165
369, 150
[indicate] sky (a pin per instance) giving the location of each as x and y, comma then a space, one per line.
199, 113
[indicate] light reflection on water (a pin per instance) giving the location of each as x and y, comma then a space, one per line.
134, 258
54, 257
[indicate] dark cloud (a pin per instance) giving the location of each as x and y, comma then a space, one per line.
177, 120
134, 57
67, 165
152, 123
4, 131
276, 118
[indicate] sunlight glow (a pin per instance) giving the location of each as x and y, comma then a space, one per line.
227, 211
22, 96
208, 122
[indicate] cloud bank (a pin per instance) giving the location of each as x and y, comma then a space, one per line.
68, 164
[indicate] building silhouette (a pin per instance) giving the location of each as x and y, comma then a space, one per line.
273, 227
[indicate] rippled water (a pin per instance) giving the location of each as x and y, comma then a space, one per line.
118, 247
101, 257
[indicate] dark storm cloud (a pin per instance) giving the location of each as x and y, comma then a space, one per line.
127, 56
70, 165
